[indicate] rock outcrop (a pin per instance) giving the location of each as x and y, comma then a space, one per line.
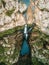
12, 19
42, 15
9, 16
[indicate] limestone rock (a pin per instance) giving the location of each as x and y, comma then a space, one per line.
41, 4
42, 18
11, 4
3, 45
29, 15
22, 7
8, 52
47, 46
21, 20
6, 39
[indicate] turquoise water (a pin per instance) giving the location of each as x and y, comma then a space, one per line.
27, 2
25, 48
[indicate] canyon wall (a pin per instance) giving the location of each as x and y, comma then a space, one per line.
13, 17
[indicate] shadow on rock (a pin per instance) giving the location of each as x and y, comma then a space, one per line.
2, 63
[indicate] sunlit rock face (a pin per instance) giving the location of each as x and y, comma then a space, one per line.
7, 22
29, 15
42, 15
44, 4
12, 14
22, 7
10, 4
9, 15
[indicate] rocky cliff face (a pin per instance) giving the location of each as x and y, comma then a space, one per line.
9, 16
42, 15
12, 14
12, 18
